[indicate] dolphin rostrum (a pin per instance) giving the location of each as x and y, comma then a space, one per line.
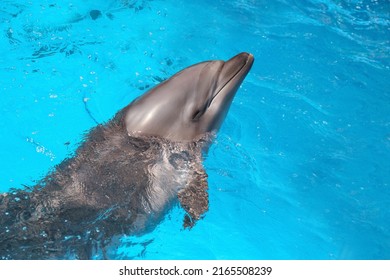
127, 173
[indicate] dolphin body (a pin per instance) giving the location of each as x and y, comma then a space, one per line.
127, 173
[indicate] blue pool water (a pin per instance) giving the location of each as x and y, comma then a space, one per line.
301, 166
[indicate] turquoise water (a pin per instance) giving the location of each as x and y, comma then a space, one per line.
301, 166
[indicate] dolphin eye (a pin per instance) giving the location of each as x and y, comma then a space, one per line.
196, 116
198, 113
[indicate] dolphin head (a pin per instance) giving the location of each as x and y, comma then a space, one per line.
191, 103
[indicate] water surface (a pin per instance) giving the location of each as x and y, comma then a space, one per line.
300, 169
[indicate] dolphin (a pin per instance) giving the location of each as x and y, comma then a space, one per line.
127, 173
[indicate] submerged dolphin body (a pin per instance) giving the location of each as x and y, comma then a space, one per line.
128, 172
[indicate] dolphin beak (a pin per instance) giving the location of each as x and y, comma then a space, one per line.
230, 77
238, 65
232, 74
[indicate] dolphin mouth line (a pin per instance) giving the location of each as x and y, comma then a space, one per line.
227, 82
198, 113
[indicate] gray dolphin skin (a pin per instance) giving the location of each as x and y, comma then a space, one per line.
199, 98
127, 173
